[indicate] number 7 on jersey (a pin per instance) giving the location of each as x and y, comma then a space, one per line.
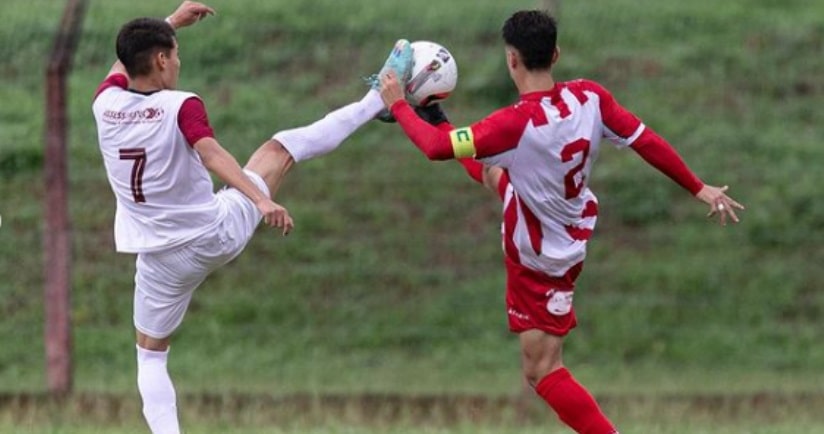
139, 157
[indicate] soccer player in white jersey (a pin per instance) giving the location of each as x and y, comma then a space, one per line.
539, 153
158, 149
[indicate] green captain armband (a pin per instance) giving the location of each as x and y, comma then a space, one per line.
463, 143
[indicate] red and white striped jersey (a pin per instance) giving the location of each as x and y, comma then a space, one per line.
165, 196
547, 142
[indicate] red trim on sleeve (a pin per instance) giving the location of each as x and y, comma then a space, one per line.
431, 140
661, 155
193, 121
113, 80
474, 168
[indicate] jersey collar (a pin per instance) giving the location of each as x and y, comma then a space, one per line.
147, 93
541, 94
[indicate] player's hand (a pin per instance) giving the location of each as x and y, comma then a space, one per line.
188, 13
391, 91
719, 203
275, 215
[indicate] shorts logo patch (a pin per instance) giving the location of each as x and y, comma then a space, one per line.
559, 302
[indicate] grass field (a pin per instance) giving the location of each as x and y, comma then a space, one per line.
392, 281
367, 413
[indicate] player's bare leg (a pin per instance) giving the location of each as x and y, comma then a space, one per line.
540, 355
272, 162
544, 371
155, 385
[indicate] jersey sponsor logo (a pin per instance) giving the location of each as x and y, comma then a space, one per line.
146, 115
463, 142
559, 302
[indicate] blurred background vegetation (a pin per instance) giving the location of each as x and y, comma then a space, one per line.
393, 278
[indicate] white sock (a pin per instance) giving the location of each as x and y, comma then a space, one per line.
157, 391
325, 135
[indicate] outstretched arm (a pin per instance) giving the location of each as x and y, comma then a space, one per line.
431, 140
661, 155
626, 128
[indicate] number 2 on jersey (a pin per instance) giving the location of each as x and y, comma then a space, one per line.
139, 157
572, 188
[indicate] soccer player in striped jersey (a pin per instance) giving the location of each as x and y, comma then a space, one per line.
158, 149
538, 154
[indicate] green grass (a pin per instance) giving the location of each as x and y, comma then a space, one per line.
244, 413
673, 428
657, 428
392, 281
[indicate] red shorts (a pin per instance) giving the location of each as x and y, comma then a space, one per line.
537, 301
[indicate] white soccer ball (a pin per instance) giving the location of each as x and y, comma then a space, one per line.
434, 73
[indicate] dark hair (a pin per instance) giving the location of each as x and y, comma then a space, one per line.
139, 40
534, 34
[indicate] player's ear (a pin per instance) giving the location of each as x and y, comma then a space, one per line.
162, 59
159, 59
511, 58
556, 54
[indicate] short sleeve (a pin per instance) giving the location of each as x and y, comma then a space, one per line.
193, 121
621, 126
113, 80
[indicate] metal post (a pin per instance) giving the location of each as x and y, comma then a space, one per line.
56, 233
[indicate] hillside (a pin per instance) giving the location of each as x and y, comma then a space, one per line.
392, 279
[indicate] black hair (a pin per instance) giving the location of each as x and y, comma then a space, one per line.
534, 33
139, 39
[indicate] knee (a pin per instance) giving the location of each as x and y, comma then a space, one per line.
271, 159
538, 364
531, 378
152, 344
267, 149
533, 375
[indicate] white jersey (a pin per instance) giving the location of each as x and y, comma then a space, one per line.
547, 142
165, 196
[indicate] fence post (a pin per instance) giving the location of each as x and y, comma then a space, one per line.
56, 233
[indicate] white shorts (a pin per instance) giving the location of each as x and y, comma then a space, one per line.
165, 280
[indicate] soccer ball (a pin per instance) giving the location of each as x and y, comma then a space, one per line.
434, 73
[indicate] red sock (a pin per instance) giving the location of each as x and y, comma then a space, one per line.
573, 403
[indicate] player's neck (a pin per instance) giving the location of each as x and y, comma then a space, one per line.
535, 82
146, 84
